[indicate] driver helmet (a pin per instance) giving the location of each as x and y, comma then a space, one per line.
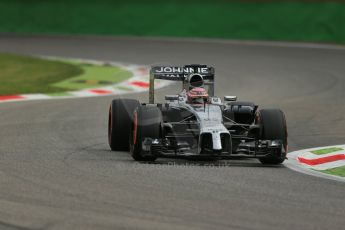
197, 95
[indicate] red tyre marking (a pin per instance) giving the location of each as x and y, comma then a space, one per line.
257, 117
322, 160
110, 125
135, 128
286, 133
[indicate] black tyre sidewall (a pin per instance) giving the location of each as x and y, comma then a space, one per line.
146, 123
273, 128
119, 123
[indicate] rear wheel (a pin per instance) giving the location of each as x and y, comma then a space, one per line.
273, 128
119, 123
147, 123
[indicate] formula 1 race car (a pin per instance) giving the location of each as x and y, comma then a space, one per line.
195, 123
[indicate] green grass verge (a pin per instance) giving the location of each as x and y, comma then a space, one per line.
94, 76
24, 75
326, 151
339, 171
21, 74
60, 94
296, 21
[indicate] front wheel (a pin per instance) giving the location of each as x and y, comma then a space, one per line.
147, 123
273, 128
119, 121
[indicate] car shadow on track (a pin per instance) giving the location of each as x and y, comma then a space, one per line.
124, 157
213, 163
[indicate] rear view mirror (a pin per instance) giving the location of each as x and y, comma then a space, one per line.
230, 98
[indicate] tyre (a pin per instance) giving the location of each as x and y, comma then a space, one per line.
273, 128
147, 123
119, 123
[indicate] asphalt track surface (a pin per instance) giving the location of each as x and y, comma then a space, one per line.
57, 172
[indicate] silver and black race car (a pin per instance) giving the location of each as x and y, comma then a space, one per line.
195, 123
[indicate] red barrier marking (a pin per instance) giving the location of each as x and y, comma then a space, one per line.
140, 84
11, 97
144, 70
322, 160
101, 91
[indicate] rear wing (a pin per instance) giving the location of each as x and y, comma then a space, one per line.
177, 73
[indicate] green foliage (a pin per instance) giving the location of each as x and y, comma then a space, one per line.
294, 21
